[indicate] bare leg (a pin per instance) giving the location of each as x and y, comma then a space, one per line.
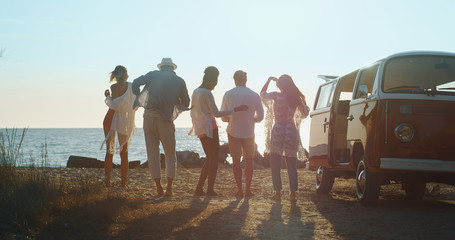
277, 195
124, 159
292, 197
248, 176
237, 169
159, 188
202, 177
108, 167
108, 158
169, 192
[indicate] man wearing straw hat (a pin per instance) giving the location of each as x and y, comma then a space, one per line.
164, 97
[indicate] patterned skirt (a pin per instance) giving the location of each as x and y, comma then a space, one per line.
285, 140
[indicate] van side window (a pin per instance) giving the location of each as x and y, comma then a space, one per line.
366, 78
325, 96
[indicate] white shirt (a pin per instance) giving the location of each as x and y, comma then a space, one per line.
123, 120
241, 124
203, 108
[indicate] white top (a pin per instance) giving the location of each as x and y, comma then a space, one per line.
123, 120
203, 108
241, 124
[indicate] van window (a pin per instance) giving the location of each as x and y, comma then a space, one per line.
325, 96
366, 78
420, 75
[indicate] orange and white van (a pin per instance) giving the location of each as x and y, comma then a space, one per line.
391, 121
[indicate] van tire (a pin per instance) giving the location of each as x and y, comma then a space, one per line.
414, 189
367, 184
324, 180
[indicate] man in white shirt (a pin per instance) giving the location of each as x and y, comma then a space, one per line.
241, 129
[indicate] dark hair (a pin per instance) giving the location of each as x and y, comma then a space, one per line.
290, 90
211, 74
118, 73
240, 77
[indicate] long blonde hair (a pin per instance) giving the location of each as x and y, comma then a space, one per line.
118, 74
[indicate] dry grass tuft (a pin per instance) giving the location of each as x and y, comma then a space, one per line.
29, 197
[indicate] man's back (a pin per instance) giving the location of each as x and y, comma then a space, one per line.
241, 124
163, 91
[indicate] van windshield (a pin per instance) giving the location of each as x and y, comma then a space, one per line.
420, 75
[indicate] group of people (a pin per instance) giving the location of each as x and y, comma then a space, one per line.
164, 96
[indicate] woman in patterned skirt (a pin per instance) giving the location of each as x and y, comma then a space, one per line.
285, 111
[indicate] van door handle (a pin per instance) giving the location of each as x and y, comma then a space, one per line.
325, 123
350, 118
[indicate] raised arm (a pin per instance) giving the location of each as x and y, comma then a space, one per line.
266, 85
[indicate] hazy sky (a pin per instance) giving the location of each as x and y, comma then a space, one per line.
58, 54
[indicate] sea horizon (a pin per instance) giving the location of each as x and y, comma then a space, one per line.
51, 147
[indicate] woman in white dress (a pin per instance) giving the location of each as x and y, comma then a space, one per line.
120, 119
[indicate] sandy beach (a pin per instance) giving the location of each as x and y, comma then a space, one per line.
137, 213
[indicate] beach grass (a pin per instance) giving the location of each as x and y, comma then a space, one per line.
29, 198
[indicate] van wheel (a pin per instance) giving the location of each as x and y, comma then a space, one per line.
415, 189
324, 180
367, 184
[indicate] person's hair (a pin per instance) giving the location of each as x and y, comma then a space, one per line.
118, 73
211, 74
240, 78
290, 90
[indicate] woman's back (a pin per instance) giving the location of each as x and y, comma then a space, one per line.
283, 111
118, 89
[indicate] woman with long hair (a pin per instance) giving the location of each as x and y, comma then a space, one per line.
285, 111
120, 119
205, 127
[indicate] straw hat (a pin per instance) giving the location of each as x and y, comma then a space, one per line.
167, 62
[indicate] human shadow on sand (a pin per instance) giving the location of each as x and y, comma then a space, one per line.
393, 217
90, 221
225, 223
288, 227
166, 223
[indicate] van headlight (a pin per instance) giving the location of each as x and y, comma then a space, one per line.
404, 132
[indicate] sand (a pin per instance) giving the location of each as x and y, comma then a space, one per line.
137, 213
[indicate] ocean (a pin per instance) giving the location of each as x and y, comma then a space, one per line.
61, 143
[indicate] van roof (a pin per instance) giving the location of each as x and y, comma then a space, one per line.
410, 53
327, 78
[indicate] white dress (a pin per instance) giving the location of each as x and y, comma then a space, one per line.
123, 120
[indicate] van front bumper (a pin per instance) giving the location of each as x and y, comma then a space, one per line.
427, 165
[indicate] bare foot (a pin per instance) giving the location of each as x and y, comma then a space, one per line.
248, 194
277, 196
292, 197
199, 192
159, 191
212, 193
239, 194
168, 193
